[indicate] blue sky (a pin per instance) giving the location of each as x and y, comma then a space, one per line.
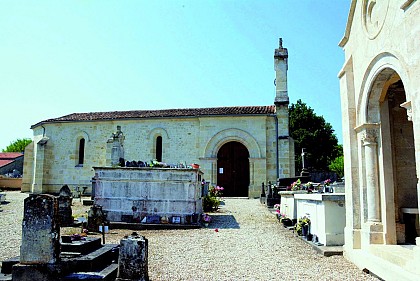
58, 58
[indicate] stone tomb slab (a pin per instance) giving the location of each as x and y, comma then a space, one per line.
81, 246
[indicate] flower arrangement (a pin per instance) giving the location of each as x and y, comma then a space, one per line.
206, 218
327, 182
211, 201
297, 185
302, 226
216, 191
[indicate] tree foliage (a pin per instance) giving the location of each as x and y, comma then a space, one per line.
337, 166
18, 145
314, 134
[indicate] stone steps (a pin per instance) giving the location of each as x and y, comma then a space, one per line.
396, 254
82, 260
107, 274
92, 261
81, 246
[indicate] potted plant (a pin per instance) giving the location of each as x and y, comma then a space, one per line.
211, 201
302, 226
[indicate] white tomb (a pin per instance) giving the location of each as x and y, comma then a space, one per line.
327, 214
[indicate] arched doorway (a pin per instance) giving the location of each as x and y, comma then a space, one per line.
402, 152
233, 169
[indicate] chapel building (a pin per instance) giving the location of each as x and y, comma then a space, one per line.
238, 147
379, 85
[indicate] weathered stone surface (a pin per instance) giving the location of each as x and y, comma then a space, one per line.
40, 230
64, 206
379, 86
133, 259
96, 217
135, 193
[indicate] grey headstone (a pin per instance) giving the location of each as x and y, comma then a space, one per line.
64, 206
40, 230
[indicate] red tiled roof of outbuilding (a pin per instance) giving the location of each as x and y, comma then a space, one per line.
9, 155
163, 113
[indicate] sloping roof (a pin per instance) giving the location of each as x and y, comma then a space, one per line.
5, 162
164, 113
9, 155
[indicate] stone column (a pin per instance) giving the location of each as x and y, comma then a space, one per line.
372, 229
133, 259
372, 182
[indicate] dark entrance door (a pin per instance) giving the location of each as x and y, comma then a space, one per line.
233, 169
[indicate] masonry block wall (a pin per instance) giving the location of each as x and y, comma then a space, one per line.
187, 140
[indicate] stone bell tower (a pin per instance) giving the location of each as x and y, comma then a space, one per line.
286, 166
280, 66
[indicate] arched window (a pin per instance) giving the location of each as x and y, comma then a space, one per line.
159, 148
81, 151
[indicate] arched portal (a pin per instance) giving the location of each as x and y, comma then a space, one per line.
403, 163
233, 169
390, 166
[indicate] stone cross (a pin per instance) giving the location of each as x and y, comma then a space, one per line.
40, 230
133, 258
303, 158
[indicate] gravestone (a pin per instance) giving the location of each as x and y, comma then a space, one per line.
133, 258
40, 230
64, 206
96, 217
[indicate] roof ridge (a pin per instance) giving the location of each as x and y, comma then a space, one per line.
164, 113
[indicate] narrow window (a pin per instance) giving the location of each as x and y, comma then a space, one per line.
81, 151
159, 149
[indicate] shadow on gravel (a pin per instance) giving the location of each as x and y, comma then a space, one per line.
224, 221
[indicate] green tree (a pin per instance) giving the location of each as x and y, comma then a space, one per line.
18, 145
337, 166
314, 134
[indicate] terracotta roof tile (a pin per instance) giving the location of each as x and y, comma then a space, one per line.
164, 113
5, 162
10, 155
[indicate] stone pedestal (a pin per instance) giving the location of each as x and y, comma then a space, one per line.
372, 233
133, 259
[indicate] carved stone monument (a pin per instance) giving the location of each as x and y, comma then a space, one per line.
117, 152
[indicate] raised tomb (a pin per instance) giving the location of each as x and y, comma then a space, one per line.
149, 195
143, 194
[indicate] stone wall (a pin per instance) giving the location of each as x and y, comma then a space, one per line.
190, 140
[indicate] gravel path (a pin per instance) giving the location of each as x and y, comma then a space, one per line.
249, 245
